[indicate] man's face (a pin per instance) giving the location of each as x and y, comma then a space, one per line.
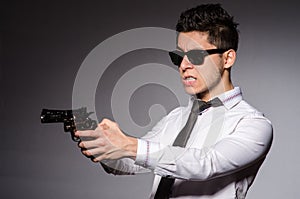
203, 79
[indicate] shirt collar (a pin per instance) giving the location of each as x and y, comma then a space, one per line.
229, 98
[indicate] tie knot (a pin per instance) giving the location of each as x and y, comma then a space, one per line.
199, 106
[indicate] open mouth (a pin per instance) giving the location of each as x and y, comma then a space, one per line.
189, 80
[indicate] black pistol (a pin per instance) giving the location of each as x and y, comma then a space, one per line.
73, 120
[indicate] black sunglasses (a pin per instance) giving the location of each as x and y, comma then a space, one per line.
195, 57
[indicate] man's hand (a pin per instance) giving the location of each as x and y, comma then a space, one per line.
107, 141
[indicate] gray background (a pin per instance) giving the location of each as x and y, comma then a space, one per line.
43, 44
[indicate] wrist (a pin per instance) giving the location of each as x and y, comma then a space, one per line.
131, 147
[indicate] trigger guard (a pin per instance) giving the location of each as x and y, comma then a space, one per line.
76, 139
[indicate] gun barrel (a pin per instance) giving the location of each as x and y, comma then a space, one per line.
55, 116
73, 120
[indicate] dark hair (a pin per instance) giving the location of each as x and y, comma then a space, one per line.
211, 18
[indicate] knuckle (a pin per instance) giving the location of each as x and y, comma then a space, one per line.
101, 143
104, 120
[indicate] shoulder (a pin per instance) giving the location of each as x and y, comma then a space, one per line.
253, 120
246, 116
244, 108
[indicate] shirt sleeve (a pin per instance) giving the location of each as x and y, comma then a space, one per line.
123, 166
250, 142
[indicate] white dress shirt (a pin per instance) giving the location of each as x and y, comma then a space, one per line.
225, 150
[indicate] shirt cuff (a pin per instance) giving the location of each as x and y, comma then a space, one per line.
147, 154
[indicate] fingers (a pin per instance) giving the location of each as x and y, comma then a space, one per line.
98, 144
87, 134
95, 154
92, 143
89, 150
104, 125
99, 158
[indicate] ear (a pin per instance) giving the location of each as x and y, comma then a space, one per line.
229, 58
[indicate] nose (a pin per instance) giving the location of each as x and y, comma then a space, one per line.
185, 64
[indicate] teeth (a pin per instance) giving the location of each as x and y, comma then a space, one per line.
190, 78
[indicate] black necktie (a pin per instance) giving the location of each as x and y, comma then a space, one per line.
165, 184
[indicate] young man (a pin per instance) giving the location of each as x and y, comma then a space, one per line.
228, 140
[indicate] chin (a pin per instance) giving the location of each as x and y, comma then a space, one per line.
191, 91
199, 92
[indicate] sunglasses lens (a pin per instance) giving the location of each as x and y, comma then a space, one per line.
195, 57
176, 58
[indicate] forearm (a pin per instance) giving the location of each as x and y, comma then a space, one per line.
244, 147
